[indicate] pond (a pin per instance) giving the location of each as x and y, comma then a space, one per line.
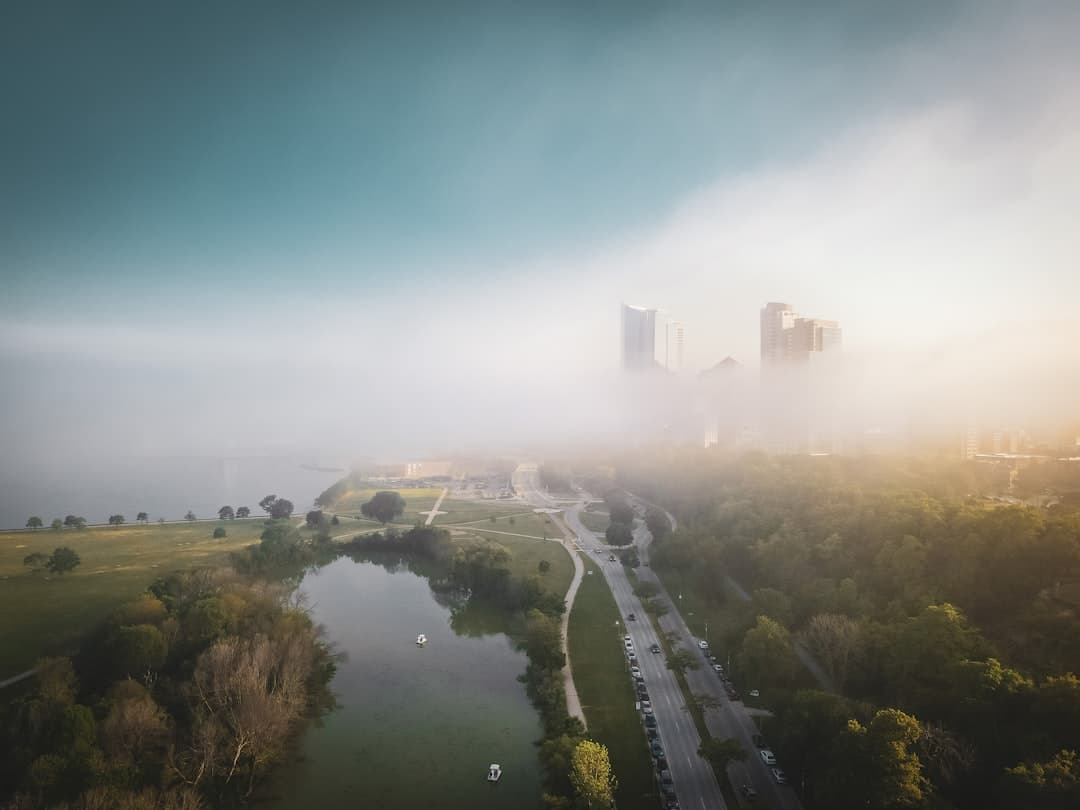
416, 727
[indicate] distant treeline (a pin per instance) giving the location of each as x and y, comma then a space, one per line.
914, 595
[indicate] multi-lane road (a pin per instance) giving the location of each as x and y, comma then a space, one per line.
695, 784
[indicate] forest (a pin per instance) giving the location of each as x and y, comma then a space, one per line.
945, 619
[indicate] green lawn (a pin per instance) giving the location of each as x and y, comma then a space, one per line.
49, 613
595, 521
603, 684
416, 501
523, 523
464, 511
525, 557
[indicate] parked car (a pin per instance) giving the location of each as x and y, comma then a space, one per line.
672, 803
748, 793
779, 776
767, 756
703, 645
646, 706
662, 763
633, 660
759, 741
627, 639
755, 693
667, 784
656, 749
650, 721
719, 670
652, 734
635, 671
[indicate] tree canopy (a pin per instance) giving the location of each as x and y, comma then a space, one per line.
384, 506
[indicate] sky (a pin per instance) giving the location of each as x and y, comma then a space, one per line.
403, 227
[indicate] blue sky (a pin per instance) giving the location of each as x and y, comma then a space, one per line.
230, 148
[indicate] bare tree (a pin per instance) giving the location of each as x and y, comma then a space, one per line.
247, 695
944, 755
832, 639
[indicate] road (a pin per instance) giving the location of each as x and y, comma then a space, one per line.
731, 720
695, 784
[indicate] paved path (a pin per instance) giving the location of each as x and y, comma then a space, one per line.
434, 511
526, 482
22, 676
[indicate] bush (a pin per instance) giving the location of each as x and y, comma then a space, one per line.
219, 532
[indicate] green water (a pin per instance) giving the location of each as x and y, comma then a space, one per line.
416, 727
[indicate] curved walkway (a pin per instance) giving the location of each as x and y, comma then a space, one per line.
573, 702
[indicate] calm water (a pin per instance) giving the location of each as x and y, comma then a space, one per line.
163, 487
416, 727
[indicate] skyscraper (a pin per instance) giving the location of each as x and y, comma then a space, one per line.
777, 322
674, 341
787, 338
638, 338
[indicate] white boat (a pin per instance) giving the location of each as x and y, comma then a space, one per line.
421, 640
494, 772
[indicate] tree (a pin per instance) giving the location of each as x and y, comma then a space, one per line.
657, 522
772, 603
876, 766
219, 532
591, 776
116, 520
543, 566
313, 518
832, 639
74, 521
766, 656
1053, 785
719, 753
281, 509
57, 525
226, 513
34, 522
267, 503
619, 534
136, 648
334, 521
190, 515
36, 562
681, 660
243, 512
543, 641
142, 517
64, 559
384, 506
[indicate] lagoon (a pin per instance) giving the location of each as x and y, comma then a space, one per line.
415, 727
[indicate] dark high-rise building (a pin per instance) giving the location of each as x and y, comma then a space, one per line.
638, 338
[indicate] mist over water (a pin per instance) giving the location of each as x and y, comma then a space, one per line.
165, 487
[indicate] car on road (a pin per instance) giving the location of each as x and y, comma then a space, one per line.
667, 784
767, 756
672, 803
655, 648
703, 645
779, 776
611, 558
759, 741
755, 693
732, 692
631, 618
748, 793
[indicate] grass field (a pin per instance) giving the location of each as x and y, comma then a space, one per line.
603, 684
49, 613
595, 521
416, 501
525, 557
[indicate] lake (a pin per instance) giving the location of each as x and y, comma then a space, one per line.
416, 727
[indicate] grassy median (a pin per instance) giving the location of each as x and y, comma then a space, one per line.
607, 696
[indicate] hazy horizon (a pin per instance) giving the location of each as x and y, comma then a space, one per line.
373, 232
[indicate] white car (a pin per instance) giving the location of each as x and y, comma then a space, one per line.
779, 776
718, 669
635, 671
703, 645
767, 756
